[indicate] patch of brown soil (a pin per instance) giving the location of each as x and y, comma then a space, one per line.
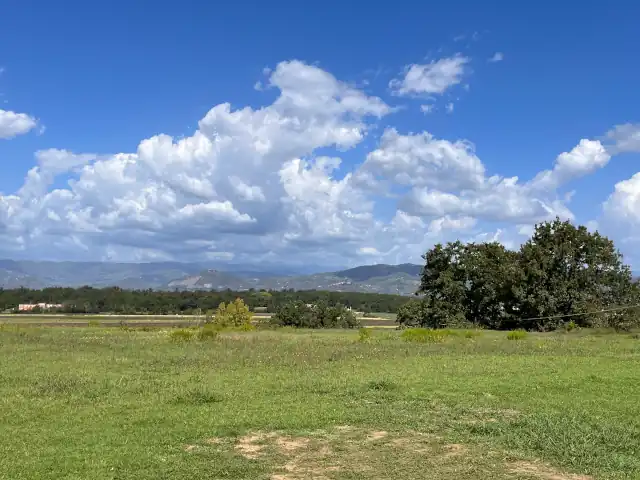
379, 435
303, 467
249, 447
190, 448
544, 472
213, 441
454, 450
291, 444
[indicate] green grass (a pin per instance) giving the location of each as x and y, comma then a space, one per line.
104, 403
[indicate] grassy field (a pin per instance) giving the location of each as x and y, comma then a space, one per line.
98, 403
382, 320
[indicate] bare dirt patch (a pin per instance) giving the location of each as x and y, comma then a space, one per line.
378, 435
376, 454
251, 446
544, 472
455, 450
291, 444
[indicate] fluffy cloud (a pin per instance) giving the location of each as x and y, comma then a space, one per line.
431, 78
587, 157
246, 180
444, 178
496, 57
624, 203
624, 138
13, 124
422, 160
271, 185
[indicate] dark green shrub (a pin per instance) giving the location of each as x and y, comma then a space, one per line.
320, 315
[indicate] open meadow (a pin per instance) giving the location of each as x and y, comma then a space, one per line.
115, 403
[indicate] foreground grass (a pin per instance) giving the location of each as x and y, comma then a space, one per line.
109, 404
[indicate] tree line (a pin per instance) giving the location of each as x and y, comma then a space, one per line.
131, 302
558, 278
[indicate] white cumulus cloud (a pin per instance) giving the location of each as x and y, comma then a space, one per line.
624, 138
435, 77
274, 184
13, 124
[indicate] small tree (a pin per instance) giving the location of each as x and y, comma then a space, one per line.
235, 314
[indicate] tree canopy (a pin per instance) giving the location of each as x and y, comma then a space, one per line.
563, 272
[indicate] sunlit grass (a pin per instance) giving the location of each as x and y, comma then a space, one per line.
105, 403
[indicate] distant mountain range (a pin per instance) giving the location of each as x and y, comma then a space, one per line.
398, 279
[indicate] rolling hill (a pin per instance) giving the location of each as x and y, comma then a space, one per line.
381, 278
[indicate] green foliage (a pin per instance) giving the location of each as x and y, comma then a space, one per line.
234, 315
571, 326
382, 385
562, 270
424, 335
93, 323
198, 396
181, 335
517, 335
320, 315
568, 270
89, 300
364, 335
207, 332
471, 333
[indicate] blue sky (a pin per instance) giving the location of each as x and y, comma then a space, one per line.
96, 80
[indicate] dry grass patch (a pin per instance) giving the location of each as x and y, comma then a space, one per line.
251, 446
347, 451
543, 472
379, 435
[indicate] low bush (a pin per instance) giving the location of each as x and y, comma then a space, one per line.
517, 335
364, 335
571, 326
181, 335
320, 315
207, 332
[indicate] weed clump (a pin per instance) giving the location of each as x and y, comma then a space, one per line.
517, 335
208, 332
424, 335
471, 333
198, 397
382, 386
181, 335
571, 326
364, 335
